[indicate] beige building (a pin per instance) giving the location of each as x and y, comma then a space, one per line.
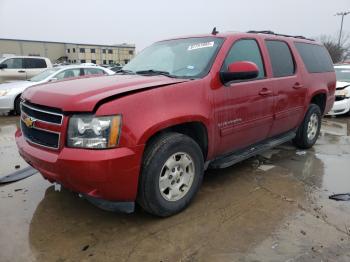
70, 52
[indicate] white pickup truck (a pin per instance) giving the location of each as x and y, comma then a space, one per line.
22, 67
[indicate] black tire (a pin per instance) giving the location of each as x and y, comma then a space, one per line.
157, 153
17, 106
301, 139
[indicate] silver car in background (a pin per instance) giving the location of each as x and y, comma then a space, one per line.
10, 92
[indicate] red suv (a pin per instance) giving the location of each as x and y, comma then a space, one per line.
181, 106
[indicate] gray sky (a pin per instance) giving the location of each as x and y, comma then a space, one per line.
143, 22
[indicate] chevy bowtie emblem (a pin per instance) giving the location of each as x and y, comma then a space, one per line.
29, 122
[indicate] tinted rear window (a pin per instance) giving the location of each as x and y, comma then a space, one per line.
315, 57
34, 63
281, 58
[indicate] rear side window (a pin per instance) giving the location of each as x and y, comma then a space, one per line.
34, 63
14, 63
69, 73
246, 50
315, 57
281, 58
93, 71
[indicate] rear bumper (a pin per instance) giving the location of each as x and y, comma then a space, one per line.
107, 174
340, 107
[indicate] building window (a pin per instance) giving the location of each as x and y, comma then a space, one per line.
110, 51
93, 50
75, 61
104, 62
93, 61
110, 62
131, 52
68, 50
83, 61
82, 50
103, 51
73, 50
126, 61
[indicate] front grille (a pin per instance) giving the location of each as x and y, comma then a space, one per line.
40, 137
41, 114
39, 126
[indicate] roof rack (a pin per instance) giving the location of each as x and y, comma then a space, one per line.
269, 32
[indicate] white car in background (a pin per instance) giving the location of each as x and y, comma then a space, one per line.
342, 94
22, 67
10, 92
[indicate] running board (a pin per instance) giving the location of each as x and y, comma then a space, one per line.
240, 155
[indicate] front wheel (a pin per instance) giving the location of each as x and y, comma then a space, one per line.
171, 175
17, 106
309, 129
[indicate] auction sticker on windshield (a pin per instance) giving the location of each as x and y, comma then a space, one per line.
200, 45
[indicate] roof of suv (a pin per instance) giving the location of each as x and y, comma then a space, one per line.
265, 34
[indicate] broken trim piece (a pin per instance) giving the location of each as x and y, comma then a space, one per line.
18, 175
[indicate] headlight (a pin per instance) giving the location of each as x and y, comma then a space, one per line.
4, 92
343, 92
88, 131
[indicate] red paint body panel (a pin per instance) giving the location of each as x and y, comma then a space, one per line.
82, 94
234, 116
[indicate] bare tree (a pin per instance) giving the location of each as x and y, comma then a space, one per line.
339, 53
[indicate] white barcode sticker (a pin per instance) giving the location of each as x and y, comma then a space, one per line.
200, 45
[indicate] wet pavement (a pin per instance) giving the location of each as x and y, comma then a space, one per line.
273, 207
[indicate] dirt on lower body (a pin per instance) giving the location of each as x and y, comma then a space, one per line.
273, 207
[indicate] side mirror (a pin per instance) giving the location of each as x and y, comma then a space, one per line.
242, 70
3, 66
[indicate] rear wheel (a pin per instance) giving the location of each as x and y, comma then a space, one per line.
172, 172
309, 130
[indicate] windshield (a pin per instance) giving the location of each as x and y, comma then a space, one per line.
185, 58
343, 74
44, 74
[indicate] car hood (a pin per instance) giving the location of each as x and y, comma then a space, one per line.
341, 85
82, 94
16, 85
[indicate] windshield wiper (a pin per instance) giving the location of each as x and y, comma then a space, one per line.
125, 72
154, 72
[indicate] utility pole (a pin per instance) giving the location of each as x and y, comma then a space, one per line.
342, 14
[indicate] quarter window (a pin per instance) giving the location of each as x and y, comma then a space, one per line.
281, 58
246, 50
315, 57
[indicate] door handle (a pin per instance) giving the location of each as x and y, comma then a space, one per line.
265, 92
21, 71
297, 85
